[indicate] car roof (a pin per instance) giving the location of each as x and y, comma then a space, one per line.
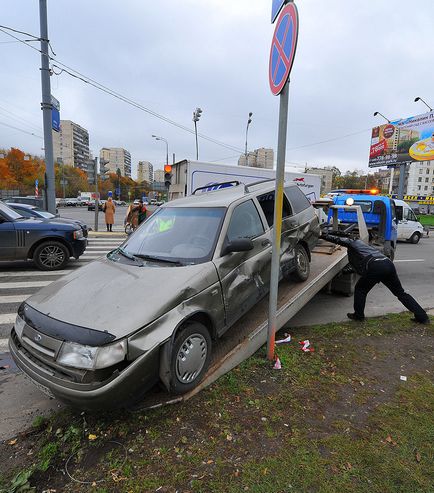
22, 206
224, 197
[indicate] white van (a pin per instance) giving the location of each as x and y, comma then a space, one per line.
409, 228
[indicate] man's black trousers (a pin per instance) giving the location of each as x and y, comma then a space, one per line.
383, 270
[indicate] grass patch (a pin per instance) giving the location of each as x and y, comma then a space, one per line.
426, 220
335, 420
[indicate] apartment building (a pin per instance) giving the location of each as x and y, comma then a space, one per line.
145, 172
259, 158
326, 177
71, 145
118, 158
159, 175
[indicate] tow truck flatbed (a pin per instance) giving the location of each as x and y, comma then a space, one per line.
250, 332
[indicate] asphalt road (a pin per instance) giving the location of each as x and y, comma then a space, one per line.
88, 217
22, 401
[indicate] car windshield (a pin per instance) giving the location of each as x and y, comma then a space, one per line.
9, 212
43, 213
185, 235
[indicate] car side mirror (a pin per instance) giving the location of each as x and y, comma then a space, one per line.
238, 245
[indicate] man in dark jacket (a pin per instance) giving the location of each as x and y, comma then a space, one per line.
374, 267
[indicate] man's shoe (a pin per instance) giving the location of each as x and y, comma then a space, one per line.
424, 322
353, 316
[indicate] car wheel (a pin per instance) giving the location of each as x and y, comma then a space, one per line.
415, 237
51, 255
302, 264
190, 357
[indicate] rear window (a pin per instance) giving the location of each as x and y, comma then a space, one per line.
297, 199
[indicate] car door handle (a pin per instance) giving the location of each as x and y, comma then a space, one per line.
266, 243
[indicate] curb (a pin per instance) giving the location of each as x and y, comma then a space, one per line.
107, 234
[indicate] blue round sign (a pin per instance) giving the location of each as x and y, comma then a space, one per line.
283, 47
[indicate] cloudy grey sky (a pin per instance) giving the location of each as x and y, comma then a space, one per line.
353, 58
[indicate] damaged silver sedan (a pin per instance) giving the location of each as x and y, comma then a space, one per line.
151, 309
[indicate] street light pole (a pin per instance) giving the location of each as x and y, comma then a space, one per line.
425, 103
249, 121
47, 107
196, 115
167, 147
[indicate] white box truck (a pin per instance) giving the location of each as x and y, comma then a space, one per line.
187, 176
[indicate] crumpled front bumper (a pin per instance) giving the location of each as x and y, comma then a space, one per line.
119, 390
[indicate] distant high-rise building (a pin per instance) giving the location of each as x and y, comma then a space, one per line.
117, 157
326, 177
145, 172
259, 158
159, 175
71, 144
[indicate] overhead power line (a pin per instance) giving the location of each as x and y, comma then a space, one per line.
21, 130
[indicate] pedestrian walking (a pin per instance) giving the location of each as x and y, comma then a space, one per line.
374, 267
109, 212
142, 212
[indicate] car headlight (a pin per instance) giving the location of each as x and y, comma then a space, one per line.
78, 233
19, 326
90, 357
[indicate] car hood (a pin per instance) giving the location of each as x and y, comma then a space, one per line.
64, 220
55, 223
120, 298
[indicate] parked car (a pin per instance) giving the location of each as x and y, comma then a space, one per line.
27, 210
48, 242
91, 205
31, 200
151, 308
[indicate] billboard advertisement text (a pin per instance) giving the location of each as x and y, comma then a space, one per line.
403, 141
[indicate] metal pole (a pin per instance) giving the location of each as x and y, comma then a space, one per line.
167, 152
63, 178
96, 195
392, 172
46, 107
402, 168
197, 147
277, 230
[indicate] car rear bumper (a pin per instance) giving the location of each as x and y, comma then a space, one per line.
120, 390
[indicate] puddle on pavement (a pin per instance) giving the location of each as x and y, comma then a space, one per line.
7, 364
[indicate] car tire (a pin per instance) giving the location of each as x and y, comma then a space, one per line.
302, 264
51, 255
415, 237
190, 359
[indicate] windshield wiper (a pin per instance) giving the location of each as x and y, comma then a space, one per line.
127, 255
158, 259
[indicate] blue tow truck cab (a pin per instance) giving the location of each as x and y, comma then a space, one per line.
380, 217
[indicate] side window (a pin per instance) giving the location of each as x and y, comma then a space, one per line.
297, 198
411, 216
245, 222
266, 201
406, 213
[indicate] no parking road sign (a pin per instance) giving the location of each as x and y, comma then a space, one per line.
283, 48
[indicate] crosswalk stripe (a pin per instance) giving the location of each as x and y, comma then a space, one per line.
24, 284
17, 298
7, 318
35, 273
90, 250
3, 345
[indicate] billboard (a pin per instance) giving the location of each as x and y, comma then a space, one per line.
403, 141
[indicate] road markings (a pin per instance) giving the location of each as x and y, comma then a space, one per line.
35, 273
7, 318
17, 298
4, 345
24, 284
410, 260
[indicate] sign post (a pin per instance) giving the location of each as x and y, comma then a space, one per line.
283, 47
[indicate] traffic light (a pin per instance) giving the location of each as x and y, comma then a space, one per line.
103, 168
167, 175
91, 172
